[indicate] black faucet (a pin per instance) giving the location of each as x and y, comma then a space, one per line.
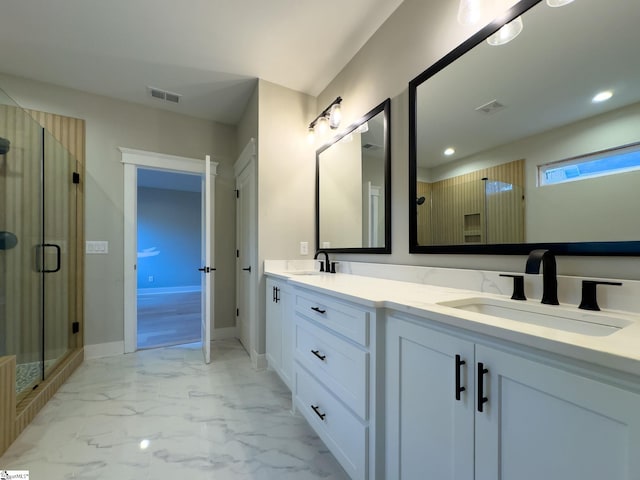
549, 278
327, 265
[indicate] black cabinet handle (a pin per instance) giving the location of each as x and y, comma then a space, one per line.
248, 269
481, 398
316, 409
277, 294
316, 309
317, 354
459, 389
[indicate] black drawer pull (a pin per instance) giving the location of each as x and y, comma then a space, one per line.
459, 389
317, 354
316, 309
317, 410
481, 398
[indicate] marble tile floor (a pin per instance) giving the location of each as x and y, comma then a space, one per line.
163, 413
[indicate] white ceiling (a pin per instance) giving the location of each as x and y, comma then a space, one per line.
546, 78
210, 51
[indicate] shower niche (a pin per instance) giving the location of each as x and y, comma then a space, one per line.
41, 168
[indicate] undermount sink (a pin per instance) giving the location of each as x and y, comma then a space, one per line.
579, 321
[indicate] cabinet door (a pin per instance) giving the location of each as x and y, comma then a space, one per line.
429, 434
273, 332
545, 422
287, 321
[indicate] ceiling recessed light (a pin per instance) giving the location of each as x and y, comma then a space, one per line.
602, 96
449, 151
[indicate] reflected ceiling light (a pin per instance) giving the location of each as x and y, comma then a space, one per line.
469, 12
602, 96
144, 444
507, 33
449, 151
558, 3
329, 118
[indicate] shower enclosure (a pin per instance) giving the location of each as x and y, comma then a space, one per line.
39, 241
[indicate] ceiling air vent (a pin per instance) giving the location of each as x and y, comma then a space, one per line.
489, 108
164, 95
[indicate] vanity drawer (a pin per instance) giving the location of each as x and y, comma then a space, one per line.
341, 366
347, 320
338, 428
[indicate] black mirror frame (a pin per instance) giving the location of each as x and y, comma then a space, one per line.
384, 107
626, 248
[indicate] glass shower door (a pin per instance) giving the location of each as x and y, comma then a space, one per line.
58, 251
20, 236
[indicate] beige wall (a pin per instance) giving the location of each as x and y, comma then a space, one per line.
413, 38
286, 179
111, 124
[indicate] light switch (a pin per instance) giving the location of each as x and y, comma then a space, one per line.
97, 247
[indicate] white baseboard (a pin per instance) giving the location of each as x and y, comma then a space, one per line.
168, 290
224, 333
100, 350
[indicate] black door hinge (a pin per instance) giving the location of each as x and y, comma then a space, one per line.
75, 327
237, 312
76, 177
237, 253
237, 193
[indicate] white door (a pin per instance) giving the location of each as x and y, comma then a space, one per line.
429, 404
244, 268
206, 268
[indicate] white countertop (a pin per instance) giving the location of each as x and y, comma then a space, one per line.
619, 351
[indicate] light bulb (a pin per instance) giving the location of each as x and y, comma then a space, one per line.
322, 126
449, 151
336, 116
602, 96
469, 12
507, 33
311, 136
558, 3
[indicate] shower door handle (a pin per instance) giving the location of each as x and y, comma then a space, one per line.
40, 258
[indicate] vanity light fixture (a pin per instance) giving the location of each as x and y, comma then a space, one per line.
329, 118
507, 33
558, 3
449, 151
602, 96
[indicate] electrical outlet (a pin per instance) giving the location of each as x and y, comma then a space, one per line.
150, 278
304, 248
326, 244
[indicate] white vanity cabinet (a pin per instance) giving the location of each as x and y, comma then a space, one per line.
279, 329
538, 421
335, 373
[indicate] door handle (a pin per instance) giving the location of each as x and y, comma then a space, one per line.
206, 269
248, 269
40, 258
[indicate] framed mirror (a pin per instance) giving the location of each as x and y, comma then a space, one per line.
353, 187
510, 147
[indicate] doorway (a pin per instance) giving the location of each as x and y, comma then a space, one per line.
169, 235
135, 162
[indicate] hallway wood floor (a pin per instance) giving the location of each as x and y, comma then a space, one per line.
168, 319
